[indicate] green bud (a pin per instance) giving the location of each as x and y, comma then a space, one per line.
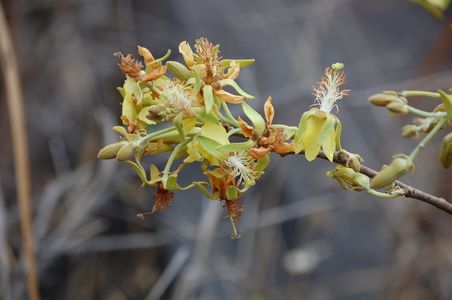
397, 108
126, 151
445, 152
400, 165
110, 151
179, 70
410, 131
349, 179
383, 99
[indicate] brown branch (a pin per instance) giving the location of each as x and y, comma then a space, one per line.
20, 150
408, 191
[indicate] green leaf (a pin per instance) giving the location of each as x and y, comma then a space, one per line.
236, 87
242, 62
447, 100
139, 170
197, 85
255, 118
208, 97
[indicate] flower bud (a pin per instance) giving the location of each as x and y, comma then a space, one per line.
383, 99
179, 70
445, 152
354, 162
126, 151
348, 179
397, 108
410, 131
110, 151
400, 165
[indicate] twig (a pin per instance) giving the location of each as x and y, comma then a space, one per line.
20, 150
408, 191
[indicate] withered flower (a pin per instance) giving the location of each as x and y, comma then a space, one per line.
128, 65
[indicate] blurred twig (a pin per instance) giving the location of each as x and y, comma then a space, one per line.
20, 149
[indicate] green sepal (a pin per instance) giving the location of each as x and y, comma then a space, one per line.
142, 116
297, 142
232, 193
236, 147
208, 97
139, 170
203, 116
179, 70
236, 87
262, 163
257, 120
242, 62
132, 87
177, 123
447, 100
211, 147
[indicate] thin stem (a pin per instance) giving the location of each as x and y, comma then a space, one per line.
427, 138
384, 195
176, 150
18, 129
426, 114
155, 135
420, 94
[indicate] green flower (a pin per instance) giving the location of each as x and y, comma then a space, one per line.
318, 128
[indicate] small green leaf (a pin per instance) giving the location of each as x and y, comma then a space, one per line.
236, 87
255, 118
208, 97
177, 123
139, 170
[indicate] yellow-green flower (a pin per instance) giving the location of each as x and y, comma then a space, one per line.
318, 128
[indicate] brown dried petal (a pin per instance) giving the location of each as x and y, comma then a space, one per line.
228, 97
269, 111
156, 73
247, 130
128, 65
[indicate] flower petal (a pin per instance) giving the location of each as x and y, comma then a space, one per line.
228, 97
187, 53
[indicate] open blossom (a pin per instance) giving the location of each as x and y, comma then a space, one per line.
318, 128
241, 166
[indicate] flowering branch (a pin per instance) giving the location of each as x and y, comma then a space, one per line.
183, 109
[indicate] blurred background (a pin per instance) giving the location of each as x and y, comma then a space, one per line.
302, 236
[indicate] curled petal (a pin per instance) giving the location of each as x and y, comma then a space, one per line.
187, 53
156, 73
233, 71
228, 97
283, 148
269, 111
247, 130
259, 153
146, 54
